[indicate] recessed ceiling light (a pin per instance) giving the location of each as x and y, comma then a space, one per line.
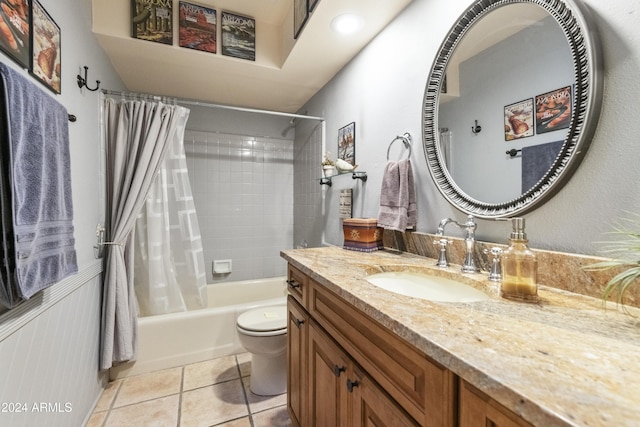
347, 23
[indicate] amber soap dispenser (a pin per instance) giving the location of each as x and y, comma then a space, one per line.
519, 266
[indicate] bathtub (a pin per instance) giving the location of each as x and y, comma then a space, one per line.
176, 339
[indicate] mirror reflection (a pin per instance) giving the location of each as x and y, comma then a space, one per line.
506, 103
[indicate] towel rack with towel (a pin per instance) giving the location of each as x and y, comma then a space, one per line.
406, 141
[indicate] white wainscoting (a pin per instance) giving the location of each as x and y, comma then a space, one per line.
49, 350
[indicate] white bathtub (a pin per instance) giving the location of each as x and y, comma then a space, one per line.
176, 339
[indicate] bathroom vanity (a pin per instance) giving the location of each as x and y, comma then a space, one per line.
361, 355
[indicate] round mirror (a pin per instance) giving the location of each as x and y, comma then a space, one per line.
511, 104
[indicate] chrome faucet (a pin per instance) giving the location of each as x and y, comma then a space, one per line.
469, 264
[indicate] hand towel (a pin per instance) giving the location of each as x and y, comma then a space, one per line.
397, 197
40, 181
536, 161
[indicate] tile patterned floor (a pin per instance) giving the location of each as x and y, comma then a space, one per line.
211, 393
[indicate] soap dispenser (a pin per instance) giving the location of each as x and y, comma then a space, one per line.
519, 266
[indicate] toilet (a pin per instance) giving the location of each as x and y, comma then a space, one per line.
263, 333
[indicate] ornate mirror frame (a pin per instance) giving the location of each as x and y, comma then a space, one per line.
576, 23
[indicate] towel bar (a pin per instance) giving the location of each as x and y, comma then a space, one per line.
513, 152
406, 141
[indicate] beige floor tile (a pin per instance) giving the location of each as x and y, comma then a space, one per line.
276, 417
210, 372
242, 422
261, 403
213, 404
108, 394
161, 412
96, 419
244, 362
149, 386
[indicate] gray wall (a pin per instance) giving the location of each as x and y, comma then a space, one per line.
49, 346
382, 90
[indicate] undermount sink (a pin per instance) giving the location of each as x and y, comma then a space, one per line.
425, 286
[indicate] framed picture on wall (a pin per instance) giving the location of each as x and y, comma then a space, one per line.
553, 110
47, 52
238, 36
518, 120
347, 143
15, 35
300, 15
152, 20
197, 27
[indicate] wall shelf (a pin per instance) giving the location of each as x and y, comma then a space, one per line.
327, 180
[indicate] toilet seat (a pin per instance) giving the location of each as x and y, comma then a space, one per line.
264, 321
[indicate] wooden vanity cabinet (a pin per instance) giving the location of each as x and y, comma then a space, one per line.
357, 372
476, 409
342, 394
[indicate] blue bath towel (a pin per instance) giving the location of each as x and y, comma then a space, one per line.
40, 183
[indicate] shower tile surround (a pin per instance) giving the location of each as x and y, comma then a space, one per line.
243, 191
556, 269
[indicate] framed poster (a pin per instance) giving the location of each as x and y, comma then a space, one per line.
553, 110
312, 5
152, 20
47, 53
238, 36
300, 15
15, 37
197, 27
518, 120
347, 143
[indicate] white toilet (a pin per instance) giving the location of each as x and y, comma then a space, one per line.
263, 333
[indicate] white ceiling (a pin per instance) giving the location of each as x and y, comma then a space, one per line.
285, 74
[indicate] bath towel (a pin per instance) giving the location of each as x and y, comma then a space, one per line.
40, 183
536, 161
397, 197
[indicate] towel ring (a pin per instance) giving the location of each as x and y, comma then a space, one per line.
406, 141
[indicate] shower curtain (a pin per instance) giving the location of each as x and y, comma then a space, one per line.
137, 135
169, 262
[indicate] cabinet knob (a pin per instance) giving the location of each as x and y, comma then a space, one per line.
298, 322
352, 384
337, 370
292, 284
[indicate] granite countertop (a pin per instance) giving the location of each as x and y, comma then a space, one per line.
564, 361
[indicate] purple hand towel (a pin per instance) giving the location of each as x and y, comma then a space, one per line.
397, 197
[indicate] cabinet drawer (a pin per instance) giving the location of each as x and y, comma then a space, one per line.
298, 284
423, 388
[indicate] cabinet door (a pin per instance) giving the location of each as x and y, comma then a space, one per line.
297, 353
373, 407
479, 410
328, 396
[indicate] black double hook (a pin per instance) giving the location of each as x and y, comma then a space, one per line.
82, 81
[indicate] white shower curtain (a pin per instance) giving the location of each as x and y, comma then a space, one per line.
169, 263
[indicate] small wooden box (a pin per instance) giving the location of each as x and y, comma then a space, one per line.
362, 234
